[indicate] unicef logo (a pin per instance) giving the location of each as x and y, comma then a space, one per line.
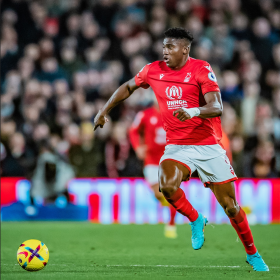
174, 92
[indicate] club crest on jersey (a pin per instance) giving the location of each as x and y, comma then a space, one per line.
212, 77
187, 78
174, 92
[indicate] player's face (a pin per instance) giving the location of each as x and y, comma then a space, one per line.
175, 52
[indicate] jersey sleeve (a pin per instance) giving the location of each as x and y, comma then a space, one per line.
135, 129
207, 79
141, 77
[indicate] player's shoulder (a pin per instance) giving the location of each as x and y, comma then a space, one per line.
158, 64
155, 64
199, 64
146, 68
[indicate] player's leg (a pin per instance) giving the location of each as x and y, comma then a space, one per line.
225, 194
170, 230
151, 175
158, 195
171, 174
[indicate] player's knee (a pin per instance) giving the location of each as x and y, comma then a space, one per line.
167, 185
232, 210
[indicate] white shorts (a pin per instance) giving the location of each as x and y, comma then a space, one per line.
210, 161
151, 174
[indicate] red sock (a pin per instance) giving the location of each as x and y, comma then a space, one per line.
182, 205
241, 225
173, 212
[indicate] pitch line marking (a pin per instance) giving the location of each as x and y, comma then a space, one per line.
162, 265
186, 266
158, 265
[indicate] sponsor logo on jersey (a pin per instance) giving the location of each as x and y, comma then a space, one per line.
187, 78
174, 92
212, 77
160, 76
177, 102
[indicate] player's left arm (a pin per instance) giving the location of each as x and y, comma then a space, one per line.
212, 109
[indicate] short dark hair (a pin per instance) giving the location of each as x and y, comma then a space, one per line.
178, 33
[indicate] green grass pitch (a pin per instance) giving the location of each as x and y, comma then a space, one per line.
93, 251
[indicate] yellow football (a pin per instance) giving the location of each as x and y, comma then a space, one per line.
33, 255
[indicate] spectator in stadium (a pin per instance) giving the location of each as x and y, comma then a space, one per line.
86, 157
26, 68
231, 91
10, 52
237, 147
50, 71
118, 153
51, 175
261, 42
20, 159
263, 163
70, 63
248, 107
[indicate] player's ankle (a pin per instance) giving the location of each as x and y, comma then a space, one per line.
194, 216
252, 251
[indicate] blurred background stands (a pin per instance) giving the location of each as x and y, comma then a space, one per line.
62, 59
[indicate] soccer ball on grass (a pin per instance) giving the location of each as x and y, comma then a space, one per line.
33, 255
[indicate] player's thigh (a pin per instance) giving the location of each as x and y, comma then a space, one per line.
171, 174
225, 195
223, 191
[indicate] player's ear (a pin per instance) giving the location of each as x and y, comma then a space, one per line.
186, 50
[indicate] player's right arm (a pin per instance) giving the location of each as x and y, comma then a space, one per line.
122, 93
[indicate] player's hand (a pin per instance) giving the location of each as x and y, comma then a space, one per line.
181, 115
99, 120
141, 152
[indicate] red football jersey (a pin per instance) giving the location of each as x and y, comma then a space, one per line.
183, 88
148, 124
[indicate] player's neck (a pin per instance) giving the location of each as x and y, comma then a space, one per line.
181, 65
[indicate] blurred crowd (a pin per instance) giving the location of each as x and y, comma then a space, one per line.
62, 59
